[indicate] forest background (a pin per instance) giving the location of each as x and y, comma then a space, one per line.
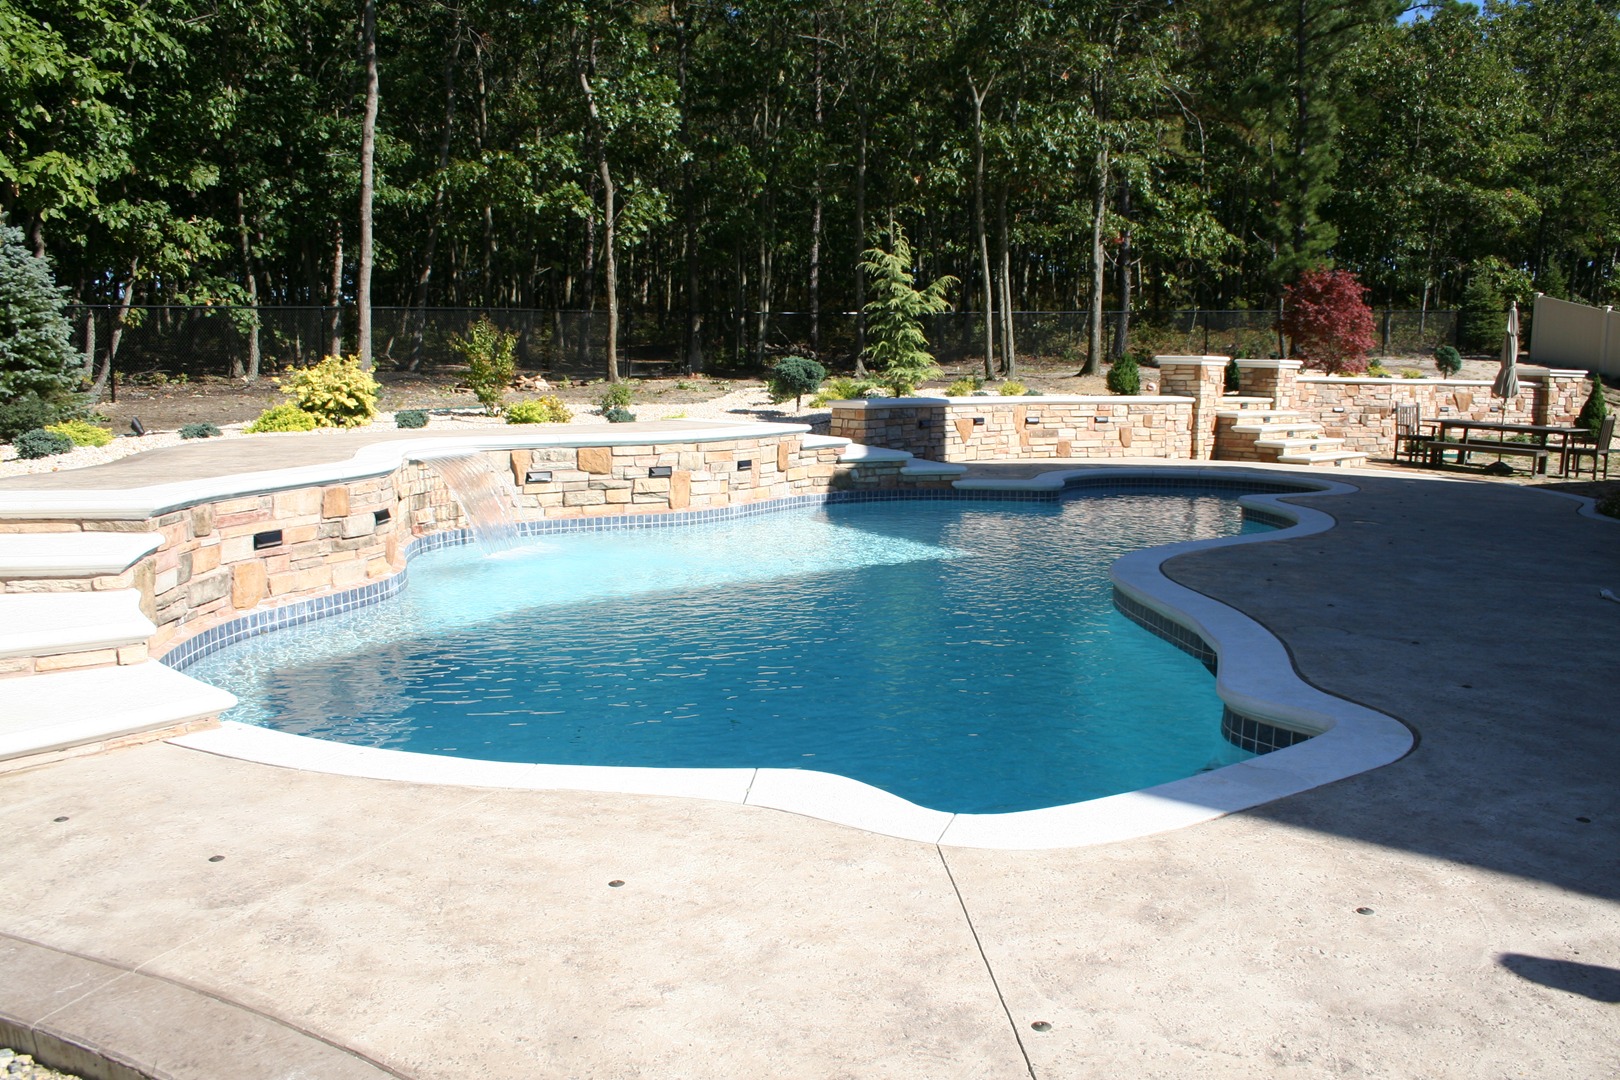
714, 169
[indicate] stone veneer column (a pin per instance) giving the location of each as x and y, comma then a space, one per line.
1202, 378
1275, 379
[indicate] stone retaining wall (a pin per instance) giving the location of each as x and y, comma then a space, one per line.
221, 558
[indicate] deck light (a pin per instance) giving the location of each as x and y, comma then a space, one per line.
537, 476
136, 426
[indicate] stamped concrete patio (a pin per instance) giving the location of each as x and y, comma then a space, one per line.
1455, 914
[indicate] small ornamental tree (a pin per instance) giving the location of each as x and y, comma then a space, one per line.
1447, 360
491, 356
1125, 376
896, 345
36, 355
1326, 315
793, 377
1595, 409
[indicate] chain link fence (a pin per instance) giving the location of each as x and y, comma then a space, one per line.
170, 342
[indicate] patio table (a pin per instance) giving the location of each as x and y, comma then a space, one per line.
1546, 439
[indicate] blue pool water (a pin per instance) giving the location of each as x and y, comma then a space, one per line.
963, 655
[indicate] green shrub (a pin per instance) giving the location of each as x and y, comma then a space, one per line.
1377, 370
410, 418
81, 432
1411, 373
1013, 388
1234, 376
491, 355
1448, 360
1595, 409
284, 417
1125, 376
964, 386
40, 443
617, 396
793, 377
199, 431
1032, 392
843, 388
36, 354
336, 392
617, 415
26, 413
1610, 505
546, 410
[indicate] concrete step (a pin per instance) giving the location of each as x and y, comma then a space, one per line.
40, 714
1268, 416
1298, 443
922, 468
72, 554
1279, 430
50, 624
1243, 403
1334, 458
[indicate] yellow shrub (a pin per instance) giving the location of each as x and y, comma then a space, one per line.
287, 417
81, 432
546, 410
336, 392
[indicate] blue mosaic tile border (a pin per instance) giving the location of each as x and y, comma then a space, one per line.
1255, 736
1244, 732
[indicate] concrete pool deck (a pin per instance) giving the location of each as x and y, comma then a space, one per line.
362, 927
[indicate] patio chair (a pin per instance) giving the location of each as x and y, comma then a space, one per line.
1410, 432
1597, 448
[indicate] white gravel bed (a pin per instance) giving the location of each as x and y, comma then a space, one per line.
15, 1066
749, 403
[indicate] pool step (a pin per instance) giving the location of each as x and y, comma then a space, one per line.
911, 466
97, 707
31, 556
53, 624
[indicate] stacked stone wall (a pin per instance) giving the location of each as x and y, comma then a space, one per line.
219, 559
961, 430
1362, 411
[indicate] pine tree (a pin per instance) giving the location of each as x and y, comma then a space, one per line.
896, 345
1595, 409
36, 355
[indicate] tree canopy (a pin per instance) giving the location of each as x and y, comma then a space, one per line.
693, 156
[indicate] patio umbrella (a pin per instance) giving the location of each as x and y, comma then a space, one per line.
1507, 380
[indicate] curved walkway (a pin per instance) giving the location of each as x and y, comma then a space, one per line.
1456, 913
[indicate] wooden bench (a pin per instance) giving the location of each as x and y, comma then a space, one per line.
1438, 447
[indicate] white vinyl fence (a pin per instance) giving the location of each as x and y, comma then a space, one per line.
1569, 335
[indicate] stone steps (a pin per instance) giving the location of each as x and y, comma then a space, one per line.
1333, 458
51, 624
32, 556
1280, 435
63, 710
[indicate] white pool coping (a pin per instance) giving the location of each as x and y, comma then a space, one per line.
1256, 678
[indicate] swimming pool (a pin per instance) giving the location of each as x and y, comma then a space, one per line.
965, 656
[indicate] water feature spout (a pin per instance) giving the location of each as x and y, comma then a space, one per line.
485, 495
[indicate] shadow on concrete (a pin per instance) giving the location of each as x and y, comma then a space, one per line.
1588, 980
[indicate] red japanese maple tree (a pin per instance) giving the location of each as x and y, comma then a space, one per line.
1326, 315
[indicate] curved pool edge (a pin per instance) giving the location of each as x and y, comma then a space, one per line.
1256, 678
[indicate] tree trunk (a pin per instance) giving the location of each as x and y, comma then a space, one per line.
609, 267
248, 275
104, 376
815, 207
1099, 211
335, 295
1009, 357
368, 179
1122, 322
436, 221
980, 230
860, 245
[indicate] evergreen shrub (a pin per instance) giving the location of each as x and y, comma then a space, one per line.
1596, 407
843, 388
36, 353
616, 415
26, 413
896, 345
617, 396
410, 418
793, 377
199, 431
81, 432
1448, 360
1125, 376
40, 443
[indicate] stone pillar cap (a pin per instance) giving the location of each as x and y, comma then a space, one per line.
1271, 362
1200, 361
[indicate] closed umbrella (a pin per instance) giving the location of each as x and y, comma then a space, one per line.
1507, 380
